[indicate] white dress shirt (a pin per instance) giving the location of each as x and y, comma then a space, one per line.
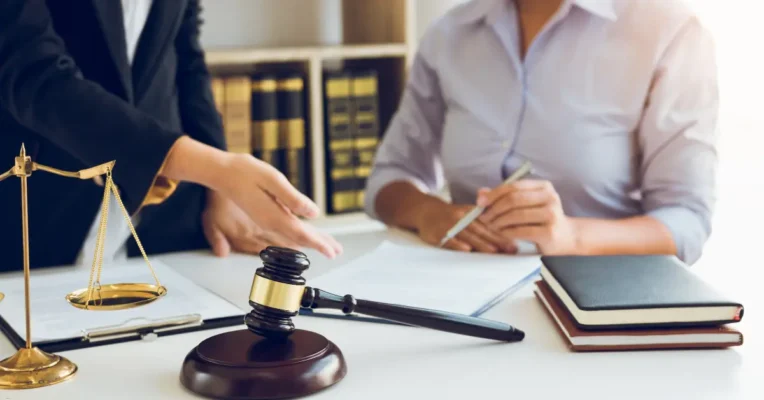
135, 13
621, 119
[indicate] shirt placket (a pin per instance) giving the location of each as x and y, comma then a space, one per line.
506, 27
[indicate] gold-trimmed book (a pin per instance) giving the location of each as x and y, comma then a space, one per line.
265, 124
364, 93
340, 172
290, 95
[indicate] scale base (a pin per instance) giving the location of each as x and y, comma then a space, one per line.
34, 368
242, 365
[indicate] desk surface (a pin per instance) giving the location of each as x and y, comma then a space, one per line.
388, 361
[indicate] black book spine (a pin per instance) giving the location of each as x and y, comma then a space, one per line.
365, 128
341, 194
292, 134
265, 127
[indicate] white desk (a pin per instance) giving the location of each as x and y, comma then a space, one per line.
387, 362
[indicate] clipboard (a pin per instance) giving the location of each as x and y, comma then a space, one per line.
116, 334
187, 307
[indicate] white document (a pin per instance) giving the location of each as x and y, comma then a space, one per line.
433, 278
53, 318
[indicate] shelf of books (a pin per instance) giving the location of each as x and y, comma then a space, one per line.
318, 113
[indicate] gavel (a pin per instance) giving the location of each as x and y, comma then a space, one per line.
279, 292
273, 360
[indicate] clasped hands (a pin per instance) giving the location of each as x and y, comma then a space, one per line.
528, 210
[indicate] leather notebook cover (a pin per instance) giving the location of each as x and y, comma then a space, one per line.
641, 290
635, 339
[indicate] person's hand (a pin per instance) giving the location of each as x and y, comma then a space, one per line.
227, 228
270, 201
529, 210
435, 221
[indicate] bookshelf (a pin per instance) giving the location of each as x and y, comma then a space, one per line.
376, 34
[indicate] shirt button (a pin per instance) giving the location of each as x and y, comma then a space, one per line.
505, 144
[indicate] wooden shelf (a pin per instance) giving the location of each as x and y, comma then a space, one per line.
228, 57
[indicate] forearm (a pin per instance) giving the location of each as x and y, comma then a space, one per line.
192, 161
636, 235
401, 204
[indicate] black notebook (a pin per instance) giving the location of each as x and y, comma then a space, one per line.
635, 291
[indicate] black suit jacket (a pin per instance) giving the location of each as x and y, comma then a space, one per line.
68, 93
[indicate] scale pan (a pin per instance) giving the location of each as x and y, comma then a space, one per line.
117, 296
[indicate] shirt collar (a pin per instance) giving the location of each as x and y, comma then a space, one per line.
601, 8
480, 10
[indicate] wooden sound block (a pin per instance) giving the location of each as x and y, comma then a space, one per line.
243, 365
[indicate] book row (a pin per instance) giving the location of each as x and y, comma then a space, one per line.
264, 114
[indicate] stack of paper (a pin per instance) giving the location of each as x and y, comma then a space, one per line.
426, 277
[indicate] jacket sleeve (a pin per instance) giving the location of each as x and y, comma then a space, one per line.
199, 116
42, 88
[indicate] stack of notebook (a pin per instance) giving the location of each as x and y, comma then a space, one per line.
635, 302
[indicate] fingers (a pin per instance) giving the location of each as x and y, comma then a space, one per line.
276, 184
457, 244
257, 240
487, 198
475, 241
250, 246
327, 238
269, 215
273, 239
532, 233
302, 234
217, 240
334, 243
515, 200
524, 216
492, 237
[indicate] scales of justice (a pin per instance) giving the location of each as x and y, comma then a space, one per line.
31, 367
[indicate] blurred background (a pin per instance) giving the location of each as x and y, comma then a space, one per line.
240, 23
731, 253
732, 256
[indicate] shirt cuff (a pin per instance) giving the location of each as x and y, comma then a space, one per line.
689, 231
161, 187
381, 177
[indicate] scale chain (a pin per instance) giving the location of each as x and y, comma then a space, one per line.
99, 247
132, 228
110, 187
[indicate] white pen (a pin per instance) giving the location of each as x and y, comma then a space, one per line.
475, 212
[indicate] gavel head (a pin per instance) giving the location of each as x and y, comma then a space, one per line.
277, 291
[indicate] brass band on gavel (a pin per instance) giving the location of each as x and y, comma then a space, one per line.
278, 295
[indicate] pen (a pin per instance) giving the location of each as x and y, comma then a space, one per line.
475, 212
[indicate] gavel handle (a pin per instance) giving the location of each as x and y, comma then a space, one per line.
443, 321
